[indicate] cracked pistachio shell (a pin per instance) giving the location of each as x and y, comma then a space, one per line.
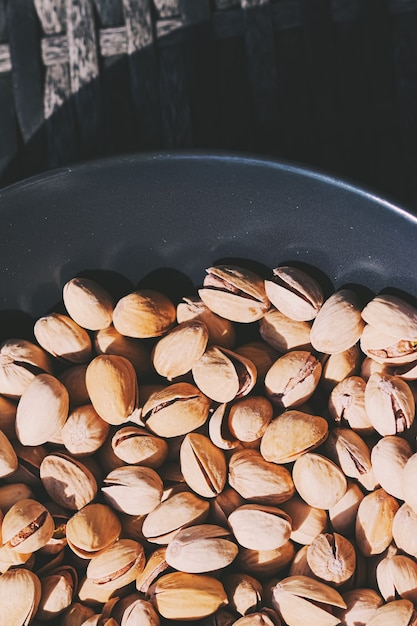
332, 558
258, 480
76, 614
245, 592
20, 593
140, 612
221, 331
248, 418
9, 558
110, 341
397, 577
347, 403
408, 482
306, 521
201, 548
398, 612
8, 457
84, 432
343, 514
58, 588
133, 489
404, 530
386, 349
300, 566
283, 333
118, 565
180, 349
362, 604
338, 324
223, 375
389, 456
143, 314
374, 519
389, 403
392, 315
260, 527
20, 362
175, 410
154, 567
265, 563
88, 303
294, 292
293, 378
137, 446
291, 434
350, 451
179, 511
319, 481
27, 526
113, 388
235, 293
295, 597
203, 465
219, 431
42, 410
59, 335
201, 596
68, 482
265, 617
92, 529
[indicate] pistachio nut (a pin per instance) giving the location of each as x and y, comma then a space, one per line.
10, 494
283, 333
399, 612
144, 314
386, 349
29, 459
112, 386
219, 431
260, 527
404, 530
140, 612
292, 434
201, 595
175, 410
221, 331
374, 519
306, 521
338, 366
133, 489
249, 417
179, 511
295, 597
294, 292
27, 526
264, 564
137, 446
118, 565
84, 431
258, 480
234, 293
201, 548
261, 354
88, 303
20, 594
265, 617
332, 558
351, 452
299, 565
110, 341
73, 380
391, 315
76, 614
361, 606
59, 335
223, 375
293, 378
342, 515
397, 578
92, 529
369, 367
389, 456
347, 404
8, 417
57, 592
42, 410
203, 465
180, 349
408, 482
319, 481
245, 593
338, 325
223, 504
389, 403
67, 481
8, 457
154, 567
10, 559
20, 362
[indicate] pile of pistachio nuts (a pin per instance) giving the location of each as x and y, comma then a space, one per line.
246, 455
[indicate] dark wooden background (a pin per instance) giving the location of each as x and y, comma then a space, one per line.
327, 83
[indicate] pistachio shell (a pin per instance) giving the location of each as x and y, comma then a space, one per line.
20, 593
260, 527
110, 341
266, 563
389, 456
338, 325
404, 530
283, 333
84, 432
294, 292
398, 612
180, 349
20, 362
178, 511
408, 482
248, 418
201, 548
154, 567
332, 558
392, 315
340, 365
133, 489
389, 403
203, 465
118, 565
306, 521
143, 314
140, 612
387, 349
361, 606
88, 303
397, 577
374, 522
8, 457
67, 481
293, 378
347, 402
342, 515
221, 331
92, 529
57, 591
27, 526
59, 335
319, 481
245, 592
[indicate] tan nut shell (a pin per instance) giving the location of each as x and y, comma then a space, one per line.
294, 292
88, 303
260, 527
201, 548
319, 481
374, 519
265, 563
20, 594
58, 590
20, 361
176, 512
408, 482
306, 521
293, 378
137, 446
397, 577
180, 349
387, 349
143, 314
362, 604
203, 465
332, 558
27, 526
338, 324
389, 456
291, 434
249, 417
133, 489
112, 386
221, 331
92, 529
59, 335
392, 315
85, 431
283, 333
8, 458
389, 403
42, 410
398, 612
110, 341
68, 482
118, 565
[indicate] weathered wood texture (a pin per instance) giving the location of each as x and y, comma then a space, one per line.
330, 83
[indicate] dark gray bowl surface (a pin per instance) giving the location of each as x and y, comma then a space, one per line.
133, 214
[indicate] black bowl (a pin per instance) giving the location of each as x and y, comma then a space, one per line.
131, 215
